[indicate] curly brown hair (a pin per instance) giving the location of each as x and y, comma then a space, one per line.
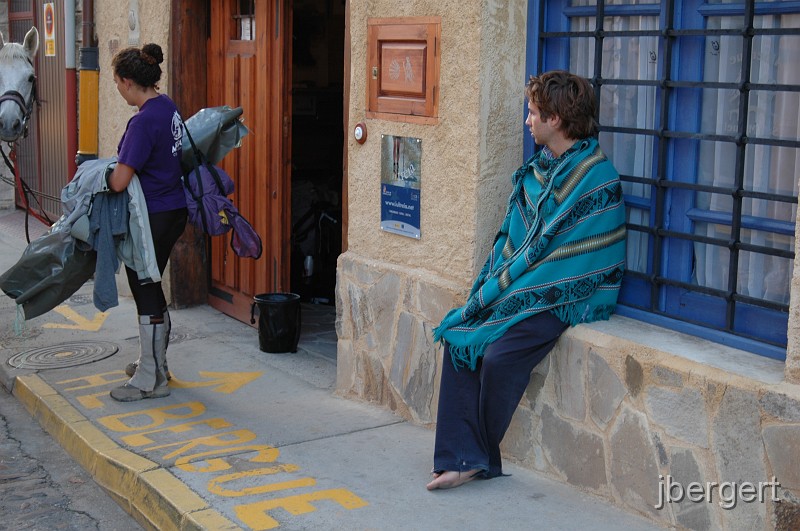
567, 96
139, 65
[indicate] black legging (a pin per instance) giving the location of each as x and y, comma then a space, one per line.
166, 228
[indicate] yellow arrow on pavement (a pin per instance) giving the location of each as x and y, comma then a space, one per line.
79, 322
225, 382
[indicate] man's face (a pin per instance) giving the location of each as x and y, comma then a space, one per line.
541, 130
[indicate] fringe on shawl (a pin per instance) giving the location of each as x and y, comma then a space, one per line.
575, 314
572, 314
465, 355
468, 355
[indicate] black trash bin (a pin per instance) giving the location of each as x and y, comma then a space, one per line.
278, 321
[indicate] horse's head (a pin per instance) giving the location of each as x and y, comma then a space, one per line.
17, 84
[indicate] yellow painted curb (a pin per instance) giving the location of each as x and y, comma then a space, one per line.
149, 493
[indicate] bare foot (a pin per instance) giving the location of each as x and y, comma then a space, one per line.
452, 479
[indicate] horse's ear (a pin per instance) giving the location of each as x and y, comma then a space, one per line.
31, 43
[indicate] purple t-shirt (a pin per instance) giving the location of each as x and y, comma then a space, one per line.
151, 145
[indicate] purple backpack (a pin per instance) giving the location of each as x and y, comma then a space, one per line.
207, 188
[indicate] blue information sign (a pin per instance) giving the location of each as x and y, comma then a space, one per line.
401, 159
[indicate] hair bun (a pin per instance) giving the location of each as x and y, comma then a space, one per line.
153, 51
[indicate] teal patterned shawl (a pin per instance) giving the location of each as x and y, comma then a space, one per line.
561, 248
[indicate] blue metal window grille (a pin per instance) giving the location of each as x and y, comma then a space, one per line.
699, 107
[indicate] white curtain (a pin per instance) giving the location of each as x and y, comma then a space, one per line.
767, 168
631, 58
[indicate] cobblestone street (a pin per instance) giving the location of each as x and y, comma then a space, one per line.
41, 487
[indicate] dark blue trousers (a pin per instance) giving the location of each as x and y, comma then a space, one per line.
475, 407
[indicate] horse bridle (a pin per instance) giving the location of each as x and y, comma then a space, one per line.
26, 106
27, 110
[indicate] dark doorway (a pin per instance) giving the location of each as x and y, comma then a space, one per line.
317, 146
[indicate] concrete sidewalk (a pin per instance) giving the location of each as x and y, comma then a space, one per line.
249, 440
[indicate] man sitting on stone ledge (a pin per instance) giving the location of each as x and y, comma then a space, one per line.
557, 261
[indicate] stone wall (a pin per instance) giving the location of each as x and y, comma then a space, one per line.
612, 417
606, 411
114, 32
384, 319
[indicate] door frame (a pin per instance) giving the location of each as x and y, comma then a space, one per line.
188, 50
189, 54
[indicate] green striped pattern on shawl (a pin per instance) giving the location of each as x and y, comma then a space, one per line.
561, 248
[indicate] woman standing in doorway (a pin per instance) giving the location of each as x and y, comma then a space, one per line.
150, 148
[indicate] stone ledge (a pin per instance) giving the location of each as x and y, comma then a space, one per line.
648, 342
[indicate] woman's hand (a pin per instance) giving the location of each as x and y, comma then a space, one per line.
120, 177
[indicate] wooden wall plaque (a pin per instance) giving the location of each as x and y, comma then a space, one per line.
403, 69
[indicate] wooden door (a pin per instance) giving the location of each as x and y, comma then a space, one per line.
250, 67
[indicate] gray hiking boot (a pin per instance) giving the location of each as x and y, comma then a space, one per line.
149, 378
129, 393
130, 369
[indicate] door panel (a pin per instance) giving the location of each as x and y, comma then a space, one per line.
252, 74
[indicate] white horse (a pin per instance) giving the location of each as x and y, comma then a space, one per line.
17, 85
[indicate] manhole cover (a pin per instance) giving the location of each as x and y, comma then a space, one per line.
63, 355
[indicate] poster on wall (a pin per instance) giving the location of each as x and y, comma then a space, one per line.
401, 159
49, 29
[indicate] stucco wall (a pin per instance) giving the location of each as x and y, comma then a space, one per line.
113, 34
466, 158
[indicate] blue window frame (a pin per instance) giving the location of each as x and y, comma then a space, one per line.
699, 108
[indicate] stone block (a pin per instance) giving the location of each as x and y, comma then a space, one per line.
517, 441
413, 369
663, 376
783, 451
682, 413
787, 516
536, 384
575, 453
634, 376
359, 311
365, 274
374, 380
660, 450
342, 324
569, 378
739, 452
606, 390
684, 470
383, 300
780, 406
433, 301
634, 471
